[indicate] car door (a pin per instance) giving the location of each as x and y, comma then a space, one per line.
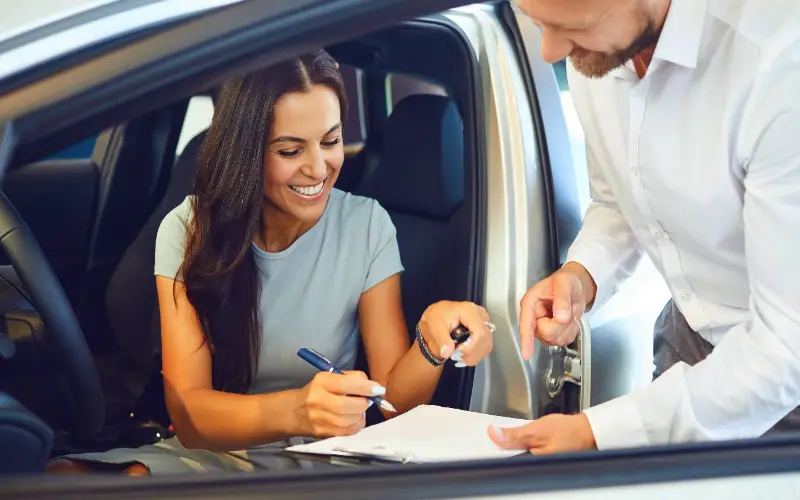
538, 189
522, 224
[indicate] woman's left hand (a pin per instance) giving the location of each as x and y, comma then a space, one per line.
441, 318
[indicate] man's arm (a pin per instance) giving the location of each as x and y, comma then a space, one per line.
752, 378
605, 246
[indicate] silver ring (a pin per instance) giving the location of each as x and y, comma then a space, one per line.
489, 325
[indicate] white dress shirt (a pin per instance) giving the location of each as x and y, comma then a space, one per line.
698, 164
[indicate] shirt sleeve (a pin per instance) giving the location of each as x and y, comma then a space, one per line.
751, 380
170, 242
605, 245
382, 246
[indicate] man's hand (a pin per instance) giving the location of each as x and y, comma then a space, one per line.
550, 434
548, 310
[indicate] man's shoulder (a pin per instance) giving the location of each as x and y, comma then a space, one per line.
771, 26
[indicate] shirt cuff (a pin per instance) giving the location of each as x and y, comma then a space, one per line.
595, 260
617, 424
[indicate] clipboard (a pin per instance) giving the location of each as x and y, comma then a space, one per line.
355, 457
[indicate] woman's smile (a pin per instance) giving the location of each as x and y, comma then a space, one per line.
306, 192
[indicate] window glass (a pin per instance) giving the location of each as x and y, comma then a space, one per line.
198, 118
354, 123
79, 150
399, 86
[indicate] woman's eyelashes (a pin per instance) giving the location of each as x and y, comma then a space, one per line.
293, 153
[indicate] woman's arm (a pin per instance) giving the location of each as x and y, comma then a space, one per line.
409, 378
205, 418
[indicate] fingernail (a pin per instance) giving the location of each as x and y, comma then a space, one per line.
456, 356
371, 402
465, 344
497, 433
460, 364
444, 351
378, 390
561, 315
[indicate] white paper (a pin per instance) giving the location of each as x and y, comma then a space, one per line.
424, 434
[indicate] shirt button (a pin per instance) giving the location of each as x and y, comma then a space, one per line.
661, 235
634, 171
686, 296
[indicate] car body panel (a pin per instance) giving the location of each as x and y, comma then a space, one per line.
130, 17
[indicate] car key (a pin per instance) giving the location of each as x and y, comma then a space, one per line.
460, 334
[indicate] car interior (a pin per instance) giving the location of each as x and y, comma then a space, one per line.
412, 143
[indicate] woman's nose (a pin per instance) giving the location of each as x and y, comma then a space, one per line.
554, 47
317, 167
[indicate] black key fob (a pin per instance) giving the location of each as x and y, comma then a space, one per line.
460, 334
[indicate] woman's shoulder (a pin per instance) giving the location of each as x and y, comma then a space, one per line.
178, 218
171, 238
358, 211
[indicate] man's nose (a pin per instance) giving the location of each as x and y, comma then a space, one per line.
554, 47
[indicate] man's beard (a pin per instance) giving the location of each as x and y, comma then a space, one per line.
598, 64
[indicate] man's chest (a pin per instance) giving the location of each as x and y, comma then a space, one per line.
668, 150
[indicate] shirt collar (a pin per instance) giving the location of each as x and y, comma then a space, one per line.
680, 38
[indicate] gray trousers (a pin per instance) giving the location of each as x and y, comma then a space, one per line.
674, 341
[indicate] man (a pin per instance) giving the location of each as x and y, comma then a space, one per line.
691, 111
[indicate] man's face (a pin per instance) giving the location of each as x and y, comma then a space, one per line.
598, 36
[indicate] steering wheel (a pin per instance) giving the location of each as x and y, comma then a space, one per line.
63, 332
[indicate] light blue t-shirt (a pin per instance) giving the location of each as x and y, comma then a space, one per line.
310, 291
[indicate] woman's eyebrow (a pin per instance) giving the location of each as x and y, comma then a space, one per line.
335, 127
289, 138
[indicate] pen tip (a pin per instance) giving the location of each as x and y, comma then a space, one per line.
388, 406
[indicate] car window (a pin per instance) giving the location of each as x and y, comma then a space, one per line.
399, 86
79, 150
355, 121
198, 117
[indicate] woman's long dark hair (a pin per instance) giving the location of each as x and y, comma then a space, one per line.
219, 270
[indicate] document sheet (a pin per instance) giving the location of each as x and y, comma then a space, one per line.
424, 434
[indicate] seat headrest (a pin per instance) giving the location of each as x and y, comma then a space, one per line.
421, 168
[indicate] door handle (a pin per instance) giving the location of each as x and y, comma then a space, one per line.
564, 366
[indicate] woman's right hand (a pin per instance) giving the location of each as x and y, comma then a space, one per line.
335, 405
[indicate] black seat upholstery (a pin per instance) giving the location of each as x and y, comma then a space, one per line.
420, 182
131, 301
25, 440
130, 159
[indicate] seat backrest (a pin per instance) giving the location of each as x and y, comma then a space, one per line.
420, 182
131, 159
131, 300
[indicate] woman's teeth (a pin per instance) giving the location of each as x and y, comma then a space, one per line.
308, 190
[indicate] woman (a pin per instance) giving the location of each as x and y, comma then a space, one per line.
266, 257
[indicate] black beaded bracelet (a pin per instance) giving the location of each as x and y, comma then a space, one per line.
425, 352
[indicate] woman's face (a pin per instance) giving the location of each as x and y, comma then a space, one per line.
304, 153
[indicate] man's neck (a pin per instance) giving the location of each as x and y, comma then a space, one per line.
642, 60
